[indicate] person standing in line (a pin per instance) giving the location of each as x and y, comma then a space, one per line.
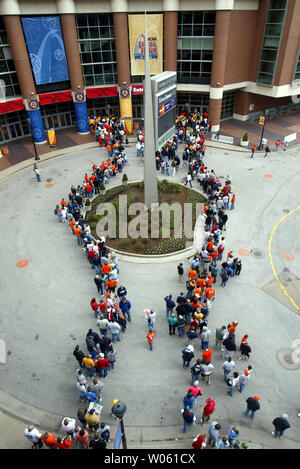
79, 355
230, 346
150, 337
187, 355
228, 366
97, 442
223, 443
196, 391
208, 410
253, 406
189, 400
172, 320
180, 271
82, 439
181, 326
89, 364
102, 323
205, 336
34, 436
245, 378
102, 365
170, 305
49, 440
196, 371
189, 418
220, 336
96, 387
37, 172
115, 330
206, 371
151, 318
280, 425
232, 383
233, 434
111, 356
213, 433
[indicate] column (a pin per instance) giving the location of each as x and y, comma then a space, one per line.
69, 31
21, 60
221, 41
123, 67
170, 40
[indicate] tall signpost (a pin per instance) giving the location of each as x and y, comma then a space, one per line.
150, 178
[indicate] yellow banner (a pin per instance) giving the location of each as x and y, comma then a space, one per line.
137, 43
51, 136
262, 120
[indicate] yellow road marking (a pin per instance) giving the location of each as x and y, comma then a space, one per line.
271, 259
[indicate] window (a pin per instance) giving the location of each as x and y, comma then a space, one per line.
195, 46
228, 102
8, 74
271, 42
193, 101
97, 48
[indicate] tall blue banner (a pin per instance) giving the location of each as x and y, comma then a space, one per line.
46, 48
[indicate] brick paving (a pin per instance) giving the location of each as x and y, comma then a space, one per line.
275, 128
20, 150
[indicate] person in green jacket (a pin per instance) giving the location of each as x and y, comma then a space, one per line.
172, 320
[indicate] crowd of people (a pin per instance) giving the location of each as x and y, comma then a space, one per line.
188, 315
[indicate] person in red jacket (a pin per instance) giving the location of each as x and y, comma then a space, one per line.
208, 410
102, 365
94, 306
199, 442
63, 443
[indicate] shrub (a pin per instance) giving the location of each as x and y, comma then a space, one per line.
102, 187
139, 246
124, 244
93, 226
124, 178
87, 202
245, 137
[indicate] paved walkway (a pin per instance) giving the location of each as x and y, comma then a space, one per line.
46, 307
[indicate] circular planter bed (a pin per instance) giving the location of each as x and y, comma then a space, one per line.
170, 232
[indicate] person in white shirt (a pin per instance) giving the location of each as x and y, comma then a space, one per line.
233, 383
32, 434
228, 366
68, 425
206, 371
81, 388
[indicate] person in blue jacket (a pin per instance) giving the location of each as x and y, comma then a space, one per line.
125, 307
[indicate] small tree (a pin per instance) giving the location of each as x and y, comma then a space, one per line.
87, 202
125, 178
245, 137
102, 187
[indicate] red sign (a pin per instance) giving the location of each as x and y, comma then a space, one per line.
137, 89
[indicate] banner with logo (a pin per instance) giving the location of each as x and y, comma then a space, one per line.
46, 49
51, 136
137, 43
262, 120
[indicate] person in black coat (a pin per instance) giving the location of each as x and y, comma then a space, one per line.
252, 406
281, 424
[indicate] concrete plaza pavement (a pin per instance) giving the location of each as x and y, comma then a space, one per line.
45, 306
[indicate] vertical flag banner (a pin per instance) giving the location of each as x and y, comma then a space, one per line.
46, 49
137, 43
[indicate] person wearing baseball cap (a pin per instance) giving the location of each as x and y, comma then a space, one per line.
252, 406
281, 424
245, 378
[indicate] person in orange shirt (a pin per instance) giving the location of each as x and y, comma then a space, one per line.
232, 327
210, 246
150, 337
201, 283
207, 354
77, 232
209, 281
193, 274
209, 292
197, 291
111, 285
49, 439
232, 202
109, 151
195, 303
72, 225
63, 203
106, 268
